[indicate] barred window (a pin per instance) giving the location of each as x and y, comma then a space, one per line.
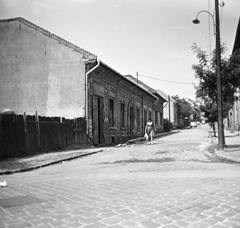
111, 112
156, 117
138, 117
122, 115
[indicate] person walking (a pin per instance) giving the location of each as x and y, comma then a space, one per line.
149, 131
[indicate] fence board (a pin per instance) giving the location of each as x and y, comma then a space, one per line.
19, 134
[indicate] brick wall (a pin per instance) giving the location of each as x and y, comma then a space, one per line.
108, 84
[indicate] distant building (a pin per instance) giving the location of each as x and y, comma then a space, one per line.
171, 110
157, 106
234, 113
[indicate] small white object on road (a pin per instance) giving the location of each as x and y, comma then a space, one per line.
3, 184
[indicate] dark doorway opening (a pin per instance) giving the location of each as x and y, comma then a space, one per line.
98, 136
131, 120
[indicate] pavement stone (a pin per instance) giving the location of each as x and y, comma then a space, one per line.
96, 201
108, 208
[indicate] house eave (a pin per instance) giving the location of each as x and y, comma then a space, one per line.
134, 84
85, 54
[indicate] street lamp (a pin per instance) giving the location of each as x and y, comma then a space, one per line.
219, 79
196, 21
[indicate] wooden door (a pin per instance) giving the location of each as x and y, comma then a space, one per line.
95, 121
131, 120
98, 133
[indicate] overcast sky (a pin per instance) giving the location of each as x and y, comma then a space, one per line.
151, 37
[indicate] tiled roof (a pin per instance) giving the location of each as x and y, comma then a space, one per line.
140, 84
237, 38
165, 95
85, 53
144, 86
128, 79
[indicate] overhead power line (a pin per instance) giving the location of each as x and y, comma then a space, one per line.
191, 90
189, 83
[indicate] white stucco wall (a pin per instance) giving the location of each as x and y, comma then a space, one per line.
166, 110
39, 73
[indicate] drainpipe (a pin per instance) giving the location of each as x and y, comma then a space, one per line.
156, 101
86, 94
165, 104
169, 101
143, 125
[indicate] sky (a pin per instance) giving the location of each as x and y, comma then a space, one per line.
151, 38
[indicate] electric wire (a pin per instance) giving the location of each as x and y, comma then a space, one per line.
191, 90
176, 82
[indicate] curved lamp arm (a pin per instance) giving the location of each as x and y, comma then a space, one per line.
196, 21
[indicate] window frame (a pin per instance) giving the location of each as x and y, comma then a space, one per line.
138, 117
122, 114
111, 112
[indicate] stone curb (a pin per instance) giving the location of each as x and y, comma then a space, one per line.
225, 157
48, 164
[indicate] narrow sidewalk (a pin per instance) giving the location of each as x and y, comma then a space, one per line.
232, 151
14, 165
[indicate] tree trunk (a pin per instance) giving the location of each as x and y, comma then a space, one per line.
223, 136
214, 129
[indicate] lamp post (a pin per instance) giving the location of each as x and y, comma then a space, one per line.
219, 79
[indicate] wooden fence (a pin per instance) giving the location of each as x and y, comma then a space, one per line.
22, 135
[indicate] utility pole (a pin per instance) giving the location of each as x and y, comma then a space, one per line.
219, 80
169, 108
137, 78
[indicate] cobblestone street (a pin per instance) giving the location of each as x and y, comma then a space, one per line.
173, 183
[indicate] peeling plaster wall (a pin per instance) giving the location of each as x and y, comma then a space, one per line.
105, 83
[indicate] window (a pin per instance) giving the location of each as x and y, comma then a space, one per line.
138, 117
145, 117
156, 117
122, 115
161, 119
132, 120
111, 111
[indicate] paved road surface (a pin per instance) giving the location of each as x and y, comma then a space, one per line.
173, 183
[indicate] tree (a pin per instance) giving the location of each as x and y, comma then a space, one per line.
188, 108
210, 110
185, 106
196, 109
205, 71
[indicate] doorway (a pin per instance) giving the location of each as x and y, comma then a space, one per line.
131, 120
98, 136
